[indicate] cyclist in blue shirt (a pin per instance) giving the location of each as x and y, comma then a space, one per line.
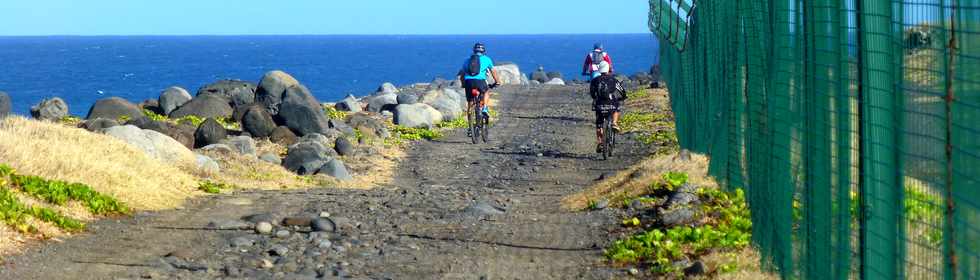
473, 76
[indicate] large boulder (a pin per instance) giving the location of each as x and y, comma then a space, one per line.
336, 169
447, 101
172, 98
417, 115
272, 88
348, 104
181, 132
154, 144
205, 106
242, 144
370, 125
114, 108
509, 74
301, 112
237, 92
554, 75
283, 136
381, 102
206, 164
387, 88
50, 109
306, 158
540, 76
343, 146
408, 97
97, 125
258, 122
556, 82
210, 132
4, 104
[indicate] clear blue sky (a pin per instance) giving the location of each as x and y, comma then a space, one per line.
244, 17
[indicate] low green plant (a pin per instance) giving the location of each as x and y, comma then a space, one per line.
15, 214
454, 124
675, 180
154, 116
592, 205
659, 248
70, 120
637, 93
212, 187
59, 220
333, 113
415, 134
60, 192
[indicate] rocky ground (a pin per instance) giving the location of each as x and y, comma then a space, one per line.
454, 211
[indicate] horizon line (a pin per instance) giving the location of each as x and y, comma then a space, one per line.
312, 34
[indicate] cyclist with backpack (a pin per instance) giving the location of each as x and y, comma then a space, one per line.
473, 76
593, 59
606, 90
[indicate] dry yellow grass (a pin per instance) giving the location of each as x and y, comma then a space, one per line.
748, 265
252, 173
108, 165
625, 184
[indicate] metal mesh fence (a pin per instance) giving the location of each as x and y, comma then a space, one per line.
853, 125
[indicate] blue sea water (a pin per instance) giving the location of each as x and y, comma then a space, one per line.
82, 70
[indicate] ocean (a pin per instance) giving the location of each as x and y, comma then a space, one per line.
82, 70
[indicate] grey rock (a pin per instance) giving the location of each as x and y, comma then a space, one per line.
448, 102
323, 224
417, 115
282, 233
540, 76
114, 108
335, 168
602, 204
509, 74
556, 82
180, 132
369, 124
306, 158
205, 106
341, 126
238, 93
210, 132
382, 102
218, 148
154, 144
407, 98
99, 124
278, 250
229, 225
301, 112
283, 136
241, 242
5, 104
348, 104
50, 109
387, 88
258, 122
554, 75
272, 89
271, 158
242, 144
172, 98
482, 208
344, 147
206, 164
677, 217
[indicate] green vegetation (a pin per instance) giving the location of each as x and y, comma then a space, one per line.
15, 213
227, 123
60, 192
415, 134
213, 187
333, 113
637, 93
727, 226
925, 214
459, 122
651, 128
70, 120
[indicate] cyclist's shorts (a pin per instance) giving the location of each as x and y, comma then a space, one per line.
600, 117
470, 85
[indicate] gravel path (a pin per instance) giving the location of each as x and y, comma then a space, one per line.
455, 211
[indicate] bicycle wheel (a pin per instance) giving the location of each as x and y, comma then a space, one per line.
474, 126
485, 126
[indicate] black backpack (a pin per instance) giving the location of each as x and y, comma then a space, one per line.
475, 66
607, 89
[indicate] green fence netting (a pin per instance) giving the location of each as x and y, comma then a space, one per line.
853, 125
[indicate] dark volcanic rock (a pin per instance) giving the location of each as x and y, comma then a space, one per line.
4, 104
348, 104
172, 98
381, 102
369, 124
343, 146
408, 98
114, 108
237, 92
204, 106
283, 136
258, 122
210, 132
271, 90
98, 124
180, 132
301, 112
306, 158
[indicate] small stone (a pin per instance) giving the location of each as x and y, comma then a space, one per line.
282, 234
323, 225
324, 244
263, 228
634, 271
324, 214
278, 250
296, 221
240, 242
602, 204
266, 264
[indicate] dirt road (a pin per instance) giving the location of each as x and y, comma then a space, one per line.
455, 211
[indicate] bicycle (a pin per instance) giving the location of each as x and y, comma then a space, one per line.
478, 120
608, 135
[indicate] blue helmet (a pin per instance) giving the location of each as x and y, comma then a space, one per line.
597, 46
479, 48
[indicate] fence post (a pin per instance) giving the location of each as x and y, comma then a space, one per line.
881, 183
